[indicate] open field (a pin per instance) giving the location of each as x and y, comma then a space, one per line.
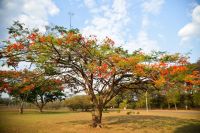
62, 121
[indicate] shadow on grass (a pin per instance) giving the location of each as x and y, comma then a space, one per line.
34, 112
82, 122
148, 121
54, 112
190, 128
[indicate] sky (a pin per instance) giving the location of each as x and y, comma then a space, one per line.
164, 25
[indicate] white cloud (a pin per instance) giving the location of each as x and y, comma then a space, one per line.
142, 41
145, 22
113, 21
152, 6
192, 29
109, 20
34, 13
90, 3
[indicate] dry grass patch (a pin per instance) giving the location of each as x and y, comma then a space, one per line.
69, 122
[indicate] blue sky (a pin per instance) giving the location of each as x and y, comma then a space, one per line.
166, 25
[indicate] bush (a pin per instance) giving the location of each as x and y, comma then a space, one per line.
78, 102
118, 111
123, 105
55, 105
131, 105
106, 111
128, 113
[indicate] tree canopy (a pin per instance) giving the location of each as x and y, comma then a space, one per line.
31, 86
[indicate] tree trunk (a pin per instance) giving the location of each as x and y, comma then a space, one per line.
147, 109
96, 117
41, 108
42, 103
186, 107
175, 106
168, 105
21, 109
118, 103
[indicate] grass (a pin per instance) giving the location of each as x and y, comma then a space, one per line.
62, 121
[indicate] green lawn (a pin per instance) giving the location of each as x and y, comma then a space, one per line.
77, 122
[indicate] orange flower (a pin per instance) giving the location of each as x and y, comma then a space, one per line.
27, 88
59, 41
32, 36
42, 39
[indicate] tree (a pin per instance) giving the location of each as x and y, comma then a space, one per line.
123, 104
112, 103
192, 84
15, 84
142, 100
196, 98
30, 86
158, 99
118, 99
127, 96
99, 69
173, 96
46, 90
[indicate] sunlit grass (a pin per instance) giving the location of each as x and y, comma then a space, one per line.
63, 121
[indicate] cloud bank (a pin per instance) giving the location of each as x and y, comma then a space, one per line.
34, 13
112, 19
192, 29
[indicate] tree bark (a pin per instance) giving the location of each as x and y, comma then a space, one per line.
39, 106
96, 117
175, 106
41, 109
168, 105
42, 103
147, 109
21, 109
186, 107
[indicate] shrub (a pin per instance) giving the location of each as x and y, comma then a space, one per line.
118, 111
128, 113
78, 102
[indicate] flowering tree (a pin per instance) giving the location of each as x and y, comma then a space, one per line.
99, 69
46, 90
16, 85
30, 87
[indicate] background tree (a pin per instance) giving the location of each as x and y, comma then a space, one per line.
46, 90
158, 99
112, 103
141, 100
173, 96
196, 98
192, 84
79, 102
30, 86
16, 85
